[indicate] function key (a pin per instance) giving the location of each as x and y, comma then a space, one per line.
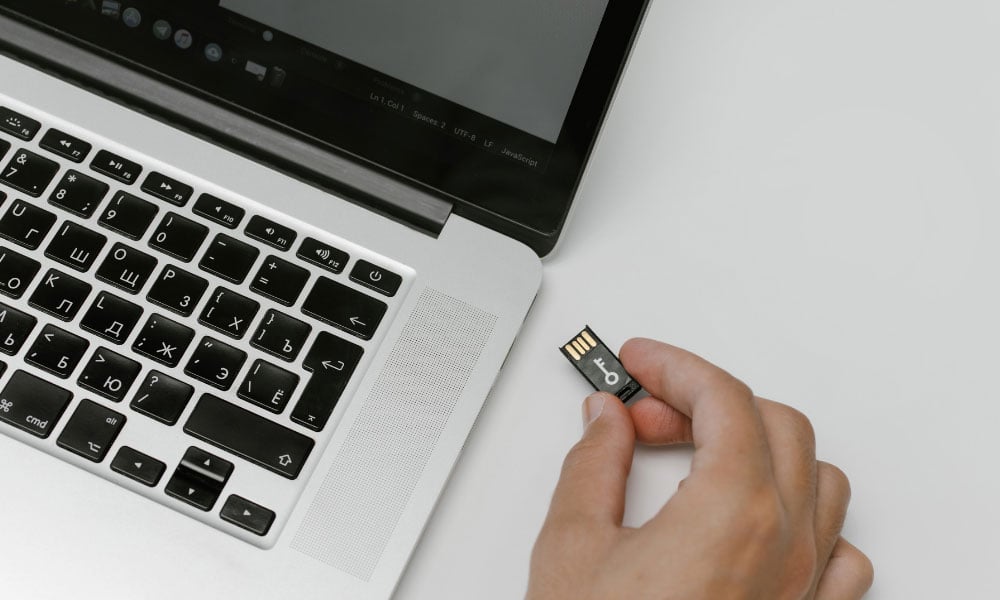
128, 215
65, 145
138, 467
376, 278
168, 189
116, 167
78, 193
91, 431
323, 255
178, 236
243, 513
338, 305
26, 225
17, 124
16, 272
218, 211
29, 172
270, 233
32, 404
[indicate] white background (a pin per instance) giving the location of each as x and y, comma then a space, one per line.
808, 194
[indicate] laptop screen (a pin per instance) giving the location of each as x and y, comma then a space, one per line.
494, 104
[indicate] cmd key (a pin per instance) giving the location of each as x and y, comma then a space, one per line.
32, 404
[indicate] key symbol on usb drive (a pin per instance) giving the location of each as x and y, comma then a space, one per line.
610, 377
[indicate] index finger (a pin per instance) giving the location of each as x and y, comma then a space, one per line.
726, 427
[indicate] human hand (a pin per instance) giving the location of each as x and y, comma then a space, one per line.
757, 517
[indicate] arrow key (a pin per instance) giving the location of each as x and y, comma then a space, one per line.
137, 466
199, 478
243, 513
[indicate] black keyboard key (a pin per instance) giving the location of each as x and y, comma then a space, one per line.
91, 431
323, 255
109, 374
75, 246
111, 318
229, 313
162, 397
4, 147
138, 466
280, 280
216, 363
60, 295
15, 327
247, 515
376, 278
116, 167
177, 290
16, 272
168, 189
260, 441
78, 193
229, 258
332, 362
17, 124
281, 335
29, 172
128, 215
126, 268
32, 404
26, 224
65, 145
218, 211
268, 386
57, 351
178, 236
163, 340
338, 305
199, 478
270, 233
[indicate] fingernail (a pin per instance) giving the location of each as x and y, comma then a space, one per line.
593, 406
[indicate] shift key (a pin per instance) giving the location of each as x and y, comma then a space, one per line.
32, 404
245, 434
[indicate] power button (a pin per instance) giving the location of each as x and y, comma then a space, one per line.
376, 278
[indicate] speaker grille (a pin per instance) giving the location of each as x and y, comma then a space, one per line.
387, 448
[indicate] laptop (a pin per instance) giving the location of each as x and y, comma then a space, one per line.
260, 265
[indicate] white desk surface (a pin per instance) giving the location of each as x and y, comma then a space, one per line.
808, 194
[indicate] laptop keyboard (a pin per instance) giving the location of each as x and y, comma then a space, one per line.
224, 334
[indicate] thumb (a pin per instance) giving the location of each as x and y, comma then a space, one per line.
592, 484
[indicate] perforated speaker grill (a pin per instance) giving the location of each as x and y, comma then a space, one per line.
387, 448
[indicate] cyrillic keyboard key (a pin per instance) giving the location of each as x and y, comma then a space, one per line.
32, 404
57, 351
376, 278
215, 363
323, 255
177, 290
116, 167
270, 233
229, 258
280, 280
26, 225
163, 340
138, 466
268, 386
109, 374
162, 397
78, 193
4, 147
65, 145
338, 305
126, 268
17, 124
281, 335
243, 513
218, 211
111, 318
332, 361
128, 215
229, 313
91, 431
16, 272
60, 295
75, 246
168, 189
15, 327
29, 172
199, 478
260, 441
178, 236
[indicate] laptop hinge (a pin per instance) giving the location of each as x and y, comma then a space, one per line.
352, 179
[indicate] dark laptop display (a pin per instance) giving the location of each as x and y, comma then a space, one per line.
497, 111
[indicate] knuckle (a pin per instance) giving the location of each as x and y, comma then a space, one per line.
863, 568
836, 479
798, 422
